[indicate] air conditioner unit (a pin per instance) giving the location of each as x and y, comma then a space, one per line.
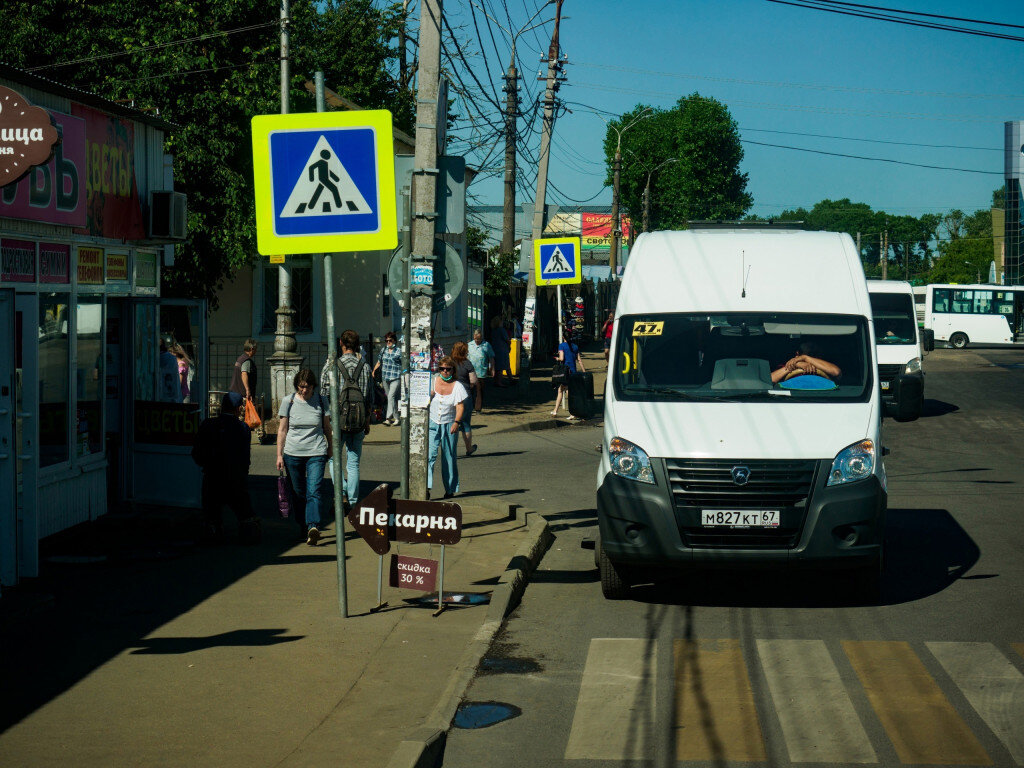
167, 213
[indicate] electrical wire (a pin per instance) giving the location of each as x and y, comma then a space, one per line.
876, 159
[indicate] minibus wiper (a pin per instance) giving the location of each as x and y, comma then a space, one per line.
664, 391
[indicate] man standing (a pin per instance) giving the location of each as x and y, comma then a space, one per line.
222, 449
243, 379
354, 385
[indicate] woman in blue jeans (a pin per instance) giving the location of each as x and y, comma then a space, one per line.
446, 408
303, 446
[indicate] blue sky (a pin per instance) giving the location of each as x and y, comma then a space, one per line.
782, 70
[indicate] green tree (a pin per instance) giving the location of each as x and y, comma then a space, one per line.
192, 64
966, 252
689, 156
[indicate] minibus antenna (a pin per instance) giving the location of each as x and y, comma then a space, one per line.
746, 274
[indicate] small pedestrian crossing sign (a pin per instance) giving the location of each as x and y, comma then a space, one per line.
557, 260
324, 182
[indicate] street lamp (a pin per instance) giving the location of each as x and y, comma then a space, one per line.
616, 224
511, 112
977, 268
647, 185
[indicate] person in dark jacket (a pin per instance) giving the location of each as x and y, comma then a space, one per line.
243, 375
222, 449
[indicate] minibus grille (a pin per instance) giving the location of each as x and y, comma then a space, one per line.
699, 484
889, 371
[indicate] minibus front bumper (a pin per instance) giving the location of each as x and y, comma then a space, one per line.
647, 525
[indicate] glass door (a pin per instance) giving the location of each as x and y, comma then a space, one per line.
27, 331
8, 501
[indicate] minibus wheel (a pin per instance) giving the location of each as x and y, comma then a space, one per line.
614, 584
958, 340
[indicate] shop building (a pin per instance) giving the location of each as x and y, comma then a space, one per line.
92, 415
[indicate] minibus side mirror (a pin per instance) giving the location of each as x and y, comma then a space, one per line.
928, 339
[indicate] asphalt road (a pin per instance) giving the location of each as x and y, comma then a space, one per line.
774, 670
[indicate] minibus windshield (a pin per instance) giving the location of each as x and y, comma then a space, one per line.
784, 357
894, 318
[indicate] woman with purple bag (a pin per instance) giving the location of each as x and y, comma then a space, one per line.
303, 447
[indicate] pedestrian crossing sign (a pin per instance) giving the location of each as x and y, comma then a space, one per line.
324, 182
557, 260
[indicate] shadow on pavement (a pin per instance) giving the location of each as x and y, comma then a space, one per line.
926, 551
937, 408
105, 586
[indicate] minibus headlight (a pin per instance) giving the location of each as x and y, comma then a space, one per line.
630, 461
914, 366
855, 462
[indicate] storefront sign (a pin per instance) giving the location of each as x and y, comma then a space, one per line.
17, 261
145, 272
55, 263
109, 180
27, 136
160, 423
54, 192
413, 573
380, 519
90, 266
117, 271
596, 230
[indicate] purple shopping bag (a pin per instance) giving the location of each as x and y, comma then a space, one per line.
284, 501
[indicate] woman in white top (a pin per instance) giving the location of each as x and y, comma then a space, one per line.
445, 418
303, 447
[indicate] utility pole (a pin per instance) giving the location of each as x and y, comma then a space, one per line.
424, 201
613, 251
647, 204
540, 201
885, 254
285, 362
508, 225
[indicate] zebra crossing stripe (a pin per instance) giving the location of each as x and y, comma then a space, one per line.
716, 717
615, 714
818, 720
992, 685
921, 723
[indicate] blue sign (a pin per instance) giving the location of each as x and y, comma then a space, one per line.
324, 182
557, 260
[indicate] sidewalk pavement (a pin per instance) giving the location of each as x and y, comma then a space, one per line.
139, 646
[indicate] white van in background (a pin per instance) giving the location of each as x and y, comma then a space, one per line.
742, 418
901, 347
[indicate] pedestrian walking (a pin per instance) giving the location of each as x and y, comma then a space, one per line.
303, 447
186, 371
606, 334
481, 355
354, 397
222, 450
390, 366
569, 355
465, 374
446, 409
243, 378
500, 346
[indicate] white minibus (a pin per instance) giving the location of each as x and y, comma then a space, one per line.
901, 345
742, 418
975, 314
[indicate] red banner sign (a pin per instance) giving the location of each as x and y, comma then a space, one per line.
17, 261
596, 230
54, 263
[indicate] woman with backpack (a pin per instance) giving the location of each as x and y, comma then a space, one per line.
303, 447
466, 375
572, 362
446, 409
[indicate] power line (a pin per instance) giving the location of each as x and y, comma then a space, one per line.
921, 13
873, 141
154, 47
818, 5
876, 159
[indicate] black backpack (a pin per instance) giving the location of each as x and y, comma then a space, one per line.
353, 415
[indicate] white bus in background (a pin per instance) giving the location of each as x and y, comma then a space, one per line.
975, 314
920, 292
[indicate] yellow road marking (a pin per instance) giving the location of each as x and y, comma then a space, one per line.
716, 718
921, 723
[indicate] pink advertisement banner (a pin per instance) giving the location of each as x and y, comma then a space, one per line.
54, 263
54, 193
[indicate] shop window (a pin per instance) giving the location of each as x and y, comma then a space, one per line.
302, 295
54, 372
89, 376
179, 331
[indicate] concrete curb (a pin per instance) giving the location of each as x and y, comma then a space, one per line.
424, 746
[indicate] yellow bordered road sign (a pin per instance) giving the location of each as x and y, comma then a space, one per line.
324, 181
556, 261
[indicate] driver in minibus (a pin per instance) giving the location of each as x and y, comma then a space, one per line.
806, 361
